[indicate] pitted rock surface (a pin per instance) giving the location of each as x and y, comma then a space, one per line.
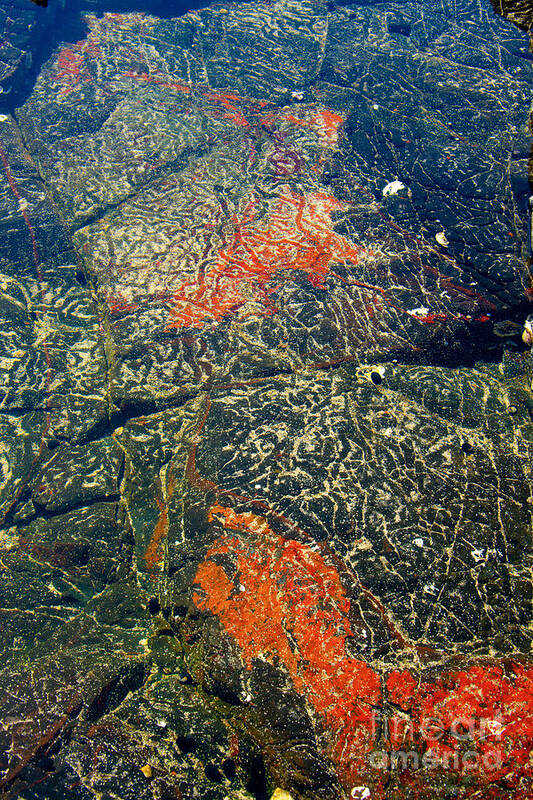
266, 420
237, 220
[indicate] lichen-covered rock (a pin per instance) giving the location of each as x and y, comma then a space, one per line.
265, 522
85, 668
238, 221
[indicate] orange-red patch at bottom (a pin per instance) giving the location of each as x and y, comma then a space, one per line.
285, 604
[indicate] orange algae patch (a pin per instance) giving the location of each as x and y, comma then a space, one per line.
401, 688
280, 600
328, 125
285, 603
71, 64
485, 710
491, 705
325, 122
297, 234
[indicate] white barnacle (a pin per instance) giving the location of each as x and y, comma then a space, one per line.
494, 726
527, 334
393, 188
421, 311
360, 793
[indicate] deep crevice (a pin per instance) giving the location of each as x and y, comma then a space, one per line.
129, 409
44, 513
112, 695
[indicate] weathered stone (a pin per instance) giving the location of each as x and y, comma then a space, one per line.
53, 566
180, 184
265, 522
85, 668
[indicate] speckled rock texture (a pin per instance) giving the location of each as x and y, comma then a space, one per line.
22, 25
266, 418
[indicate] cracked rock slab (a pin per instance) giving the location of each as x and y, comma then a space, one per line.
237, 225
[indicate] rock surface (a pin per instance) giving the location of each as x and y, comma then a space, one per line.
266, 422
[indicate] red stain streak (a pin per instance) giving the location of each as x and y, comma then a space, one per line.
14, 190
153, 556
118, 305
296, 235
441, 317
160, 80
232, 113
325, 121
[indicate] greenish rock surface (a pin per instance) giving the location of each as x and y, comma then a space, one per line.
265, 468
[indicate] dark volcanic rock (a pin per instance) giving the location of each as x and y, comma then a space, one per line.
84, 669
22, 28
238, 220
265, 519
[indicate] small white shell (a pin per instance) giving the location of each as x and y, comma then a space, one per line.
393, 188
495, 726
441, 239
421, 311
360, 793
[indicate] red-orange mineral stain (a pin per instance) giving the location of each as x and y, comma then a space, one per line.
297, 234
328, 125
229, 110
490, 705
153, 556
281, 601
291, 608
325, 122
71, 64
